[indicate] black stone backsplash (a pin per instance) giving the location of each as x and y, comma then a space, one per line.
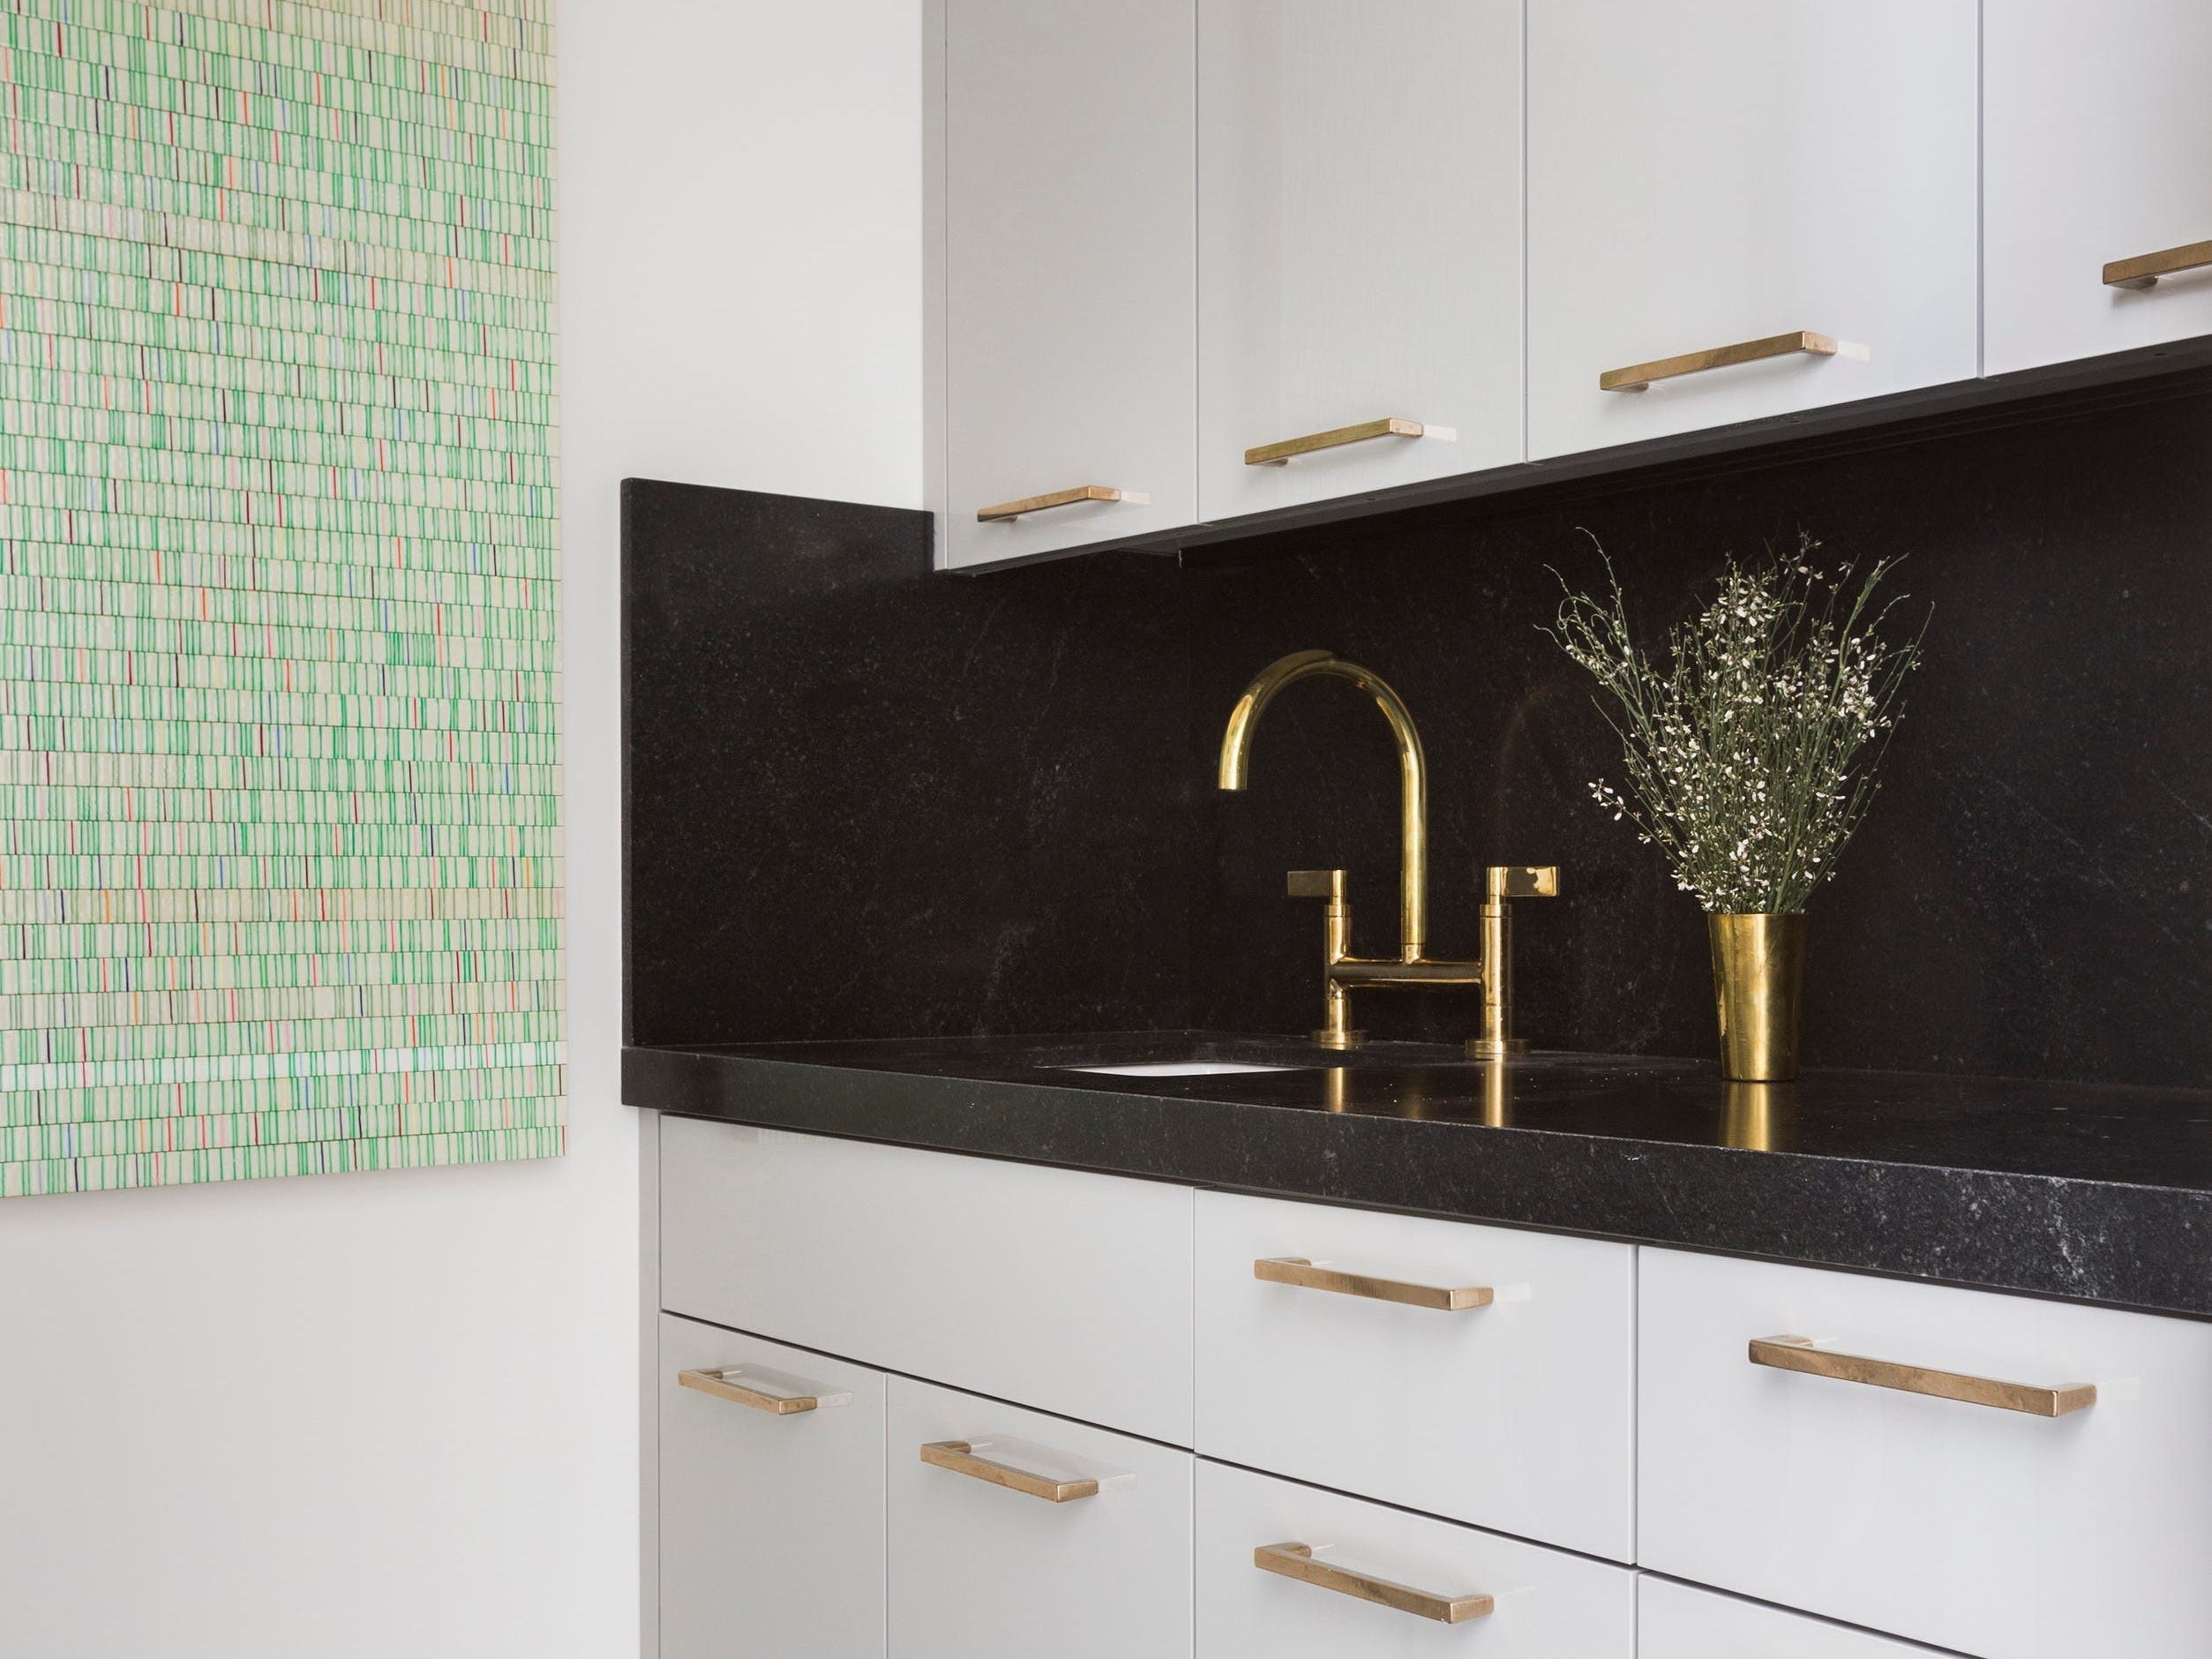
864, 802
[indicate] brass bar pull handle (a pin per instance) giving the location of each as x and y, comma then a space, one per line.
1279, 454
1296, 1270
1296, 1561
962, 1457
2144, 269
1638, 377
1798, 1354
1006, 510
763, 1390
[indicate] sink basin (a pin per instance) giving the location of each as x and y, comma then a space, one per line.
1180, 1069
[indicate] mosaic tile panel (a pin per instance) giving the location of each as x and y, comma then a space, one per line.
280, 672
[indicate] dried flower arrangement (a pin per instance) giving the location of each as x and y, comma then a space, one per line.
1751, 755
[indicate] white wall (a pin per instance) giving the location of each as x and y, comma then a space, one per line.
394, 1414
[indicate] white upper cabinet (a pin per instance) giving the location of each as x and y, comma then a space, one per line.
2098, 153
1709, 174
1070, 272
1359, 245
1403, 241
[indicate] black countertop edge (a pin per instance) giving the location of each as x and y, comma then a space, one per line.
2130, 1245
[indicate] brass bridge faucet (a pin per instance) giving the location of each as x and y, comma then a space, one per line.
1413, 968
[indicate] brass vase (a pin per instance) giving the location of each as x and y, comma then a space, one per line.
1758, 983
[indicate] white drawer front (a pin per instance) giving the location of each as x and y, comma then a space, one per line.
1674, 1621
1519, 1415
1987, 1530
771, 1525
982, 1571
1544, 1604
1067, 1290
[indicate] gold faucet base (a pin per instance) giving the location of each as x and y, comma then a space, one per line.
1339, 1040
1491, 1048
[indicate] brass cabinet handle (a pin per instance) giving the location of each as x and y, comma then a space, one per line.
960, 1456
1296, 1561
1279, 454
1798, 1354
2144, 269
726, 1385
1006, 510
1296, 1270
1639, 376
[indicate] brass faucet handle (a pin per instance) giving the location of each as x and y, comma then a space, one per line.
1502, 883
1520, 881
1327, 884
1335, 1031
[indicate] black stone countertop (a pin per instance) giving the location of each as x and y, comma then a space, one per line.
2090, 1192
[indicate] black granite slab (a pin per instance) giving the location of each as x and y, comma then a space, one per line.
2090, 1193
860, 800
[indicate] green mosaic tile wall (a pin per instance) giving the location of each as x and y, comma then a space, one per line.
280, 671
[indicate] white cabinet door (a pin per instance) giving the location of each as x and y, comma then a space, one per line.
2098, 133
1674, 1621
1712, 173
1520, 1413
1070, 211
1359, 242
1543, 1605
1967, 1523
1067, 1289
986, 1566
771, 1519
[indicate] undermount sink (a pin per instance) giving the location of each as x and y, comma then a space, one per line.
1180, 1069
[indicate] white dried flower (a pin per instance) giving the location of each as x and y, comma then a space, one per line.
1750, 757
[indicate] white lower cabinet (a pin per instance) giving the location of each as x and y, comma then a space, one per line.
771, 1533
1485, 1416
1674, 1621
1515, 1411
1025, 1535
1867, 1491
1291, 1571
1067, 1290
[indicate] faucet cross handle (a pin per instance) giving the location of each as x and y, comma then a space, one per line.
1501, 883
1336, 1030
1520, 881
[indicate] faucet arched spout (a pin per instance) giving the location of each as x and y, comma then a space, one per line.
1236, 749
